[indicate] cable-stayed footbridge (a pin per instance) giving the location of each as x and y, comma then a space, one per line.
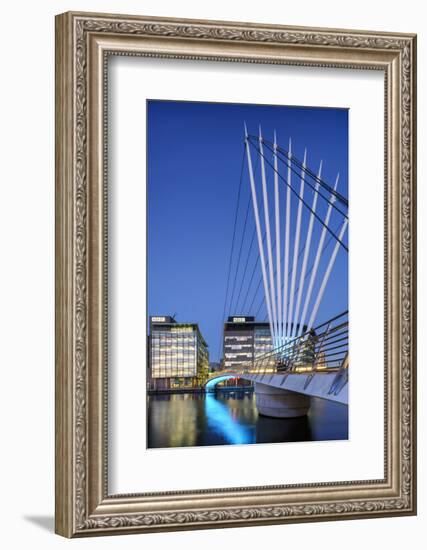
300, 224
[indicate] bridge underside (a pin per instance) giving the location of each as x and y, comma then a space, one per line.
325, 385
288, 395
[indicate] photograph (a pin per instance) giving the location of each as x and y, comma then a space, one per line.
235, 221
247, 274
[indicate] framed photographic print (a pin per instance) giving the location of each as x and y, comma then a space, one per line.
235, 274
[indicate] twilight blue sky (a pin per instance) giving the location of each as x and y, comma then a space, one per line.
195, 153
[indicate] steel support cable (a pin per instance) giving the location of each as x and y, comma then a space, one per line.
288, 164
309, 172
258, 226
289, 158
241, 246
326, 277
232, 244
305, 260
303, 168
304, 203
239, 256
261, 154
326, 199
248, 255
317, 262
253, 299
245, 269
313, 214
290, 273
340, 198
328, 242
252, 277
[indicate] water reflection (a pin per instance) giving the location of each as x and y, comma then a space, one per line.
230, 418
223, 421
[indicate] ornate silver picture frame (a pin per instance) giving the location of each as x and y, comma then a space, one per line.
84, 43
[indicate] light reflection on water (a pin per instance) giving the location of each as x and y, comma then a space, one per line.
224, 420
231, 418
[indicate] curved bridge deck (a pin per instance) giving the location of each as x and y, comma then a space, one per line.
332, 386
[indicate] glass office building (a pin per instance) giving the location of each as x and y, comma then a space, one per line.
178, 355
245, 341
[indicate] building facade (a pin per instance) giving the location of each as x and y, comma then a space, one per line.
245, 340
178, 355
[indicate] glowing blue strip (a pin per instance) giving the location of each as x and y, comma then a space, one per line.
212, 383
220, 420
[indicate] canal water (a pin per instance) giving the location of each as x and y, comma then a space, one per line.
231, 418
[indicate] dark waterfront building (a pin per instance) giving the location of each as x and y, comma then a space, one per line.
178, 355
245, 339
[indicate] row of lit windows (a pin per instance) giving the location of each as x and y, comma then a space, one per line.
238, 346
173, 361
176, 329
182, 366
176, 370
175, 351
238, 355
173, 356
175, 365
161, 373
174, 334
191, 347
165, 357
175, 345
231, 364
171, 341
181, 329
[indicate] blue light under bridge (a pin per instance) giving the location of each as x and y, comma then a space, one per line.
214, 381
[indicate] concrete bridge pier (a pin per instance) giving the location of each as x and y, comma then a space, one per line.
278, 403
